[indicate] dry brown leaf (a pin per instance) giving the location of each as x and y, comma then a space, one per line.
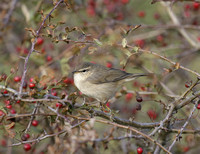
10, 131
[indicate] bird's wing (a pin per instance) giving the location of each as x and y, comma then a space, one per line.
110, 75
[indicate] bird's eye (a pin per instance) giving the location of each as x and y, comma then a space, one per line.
84, 70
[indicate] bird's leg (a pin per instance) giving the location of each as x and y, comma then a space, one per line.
104, 107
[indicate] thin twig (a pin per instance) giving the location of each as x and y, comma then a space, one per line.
32, 49
186, 123
168, 60
32, 117
164, 120
129, 128
120, 120
48, 135
7, 17
183, 32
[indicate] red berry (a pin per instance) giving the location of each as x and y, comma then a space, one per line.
3, 142
93, 62
5, 92
129, 96
152, 114
160, 38
198, 38
40, 41
18, 49
27, 147
139, 150
1, 113
9, 106
136, 84
4, 76
31, 80
43, 50
156, 16
198, 106
187, 14
92, 3
59, 105
49, 58
140, 43
143, 88
139, 99
124, 1
109, 64
12, 111
31, 85
91, 11
187, 7
120, 16
196, 5
26, 51
18, 101
35, 123
27, 136
186, 149
7, 102
68, 81
188, 84
108, 104
17, 79
54, 93
141, 14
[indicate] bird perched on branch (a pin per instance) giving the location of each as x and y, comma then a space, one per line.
100, 82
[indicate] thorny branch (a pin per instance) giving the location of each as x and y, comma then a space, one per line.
48, 135
129, 128
32, 49
183, 127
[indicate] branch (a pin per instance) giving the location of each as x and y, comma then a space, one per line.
155, 1
183, 32
32, 117
186, 123
164, 120
32, 49
120, 120
47, 136
166, 59
128, 128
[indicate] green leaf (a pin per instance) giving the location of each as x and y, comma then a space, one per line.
135, 49
124, 42
127, 52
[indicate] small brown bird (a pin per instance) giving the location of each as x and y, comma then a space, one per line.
100, 82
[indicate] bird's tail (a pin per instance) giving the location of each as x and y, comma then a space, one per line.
131, 77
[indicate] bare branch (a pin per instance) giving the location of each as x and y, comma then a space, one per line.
32, 49
186, 123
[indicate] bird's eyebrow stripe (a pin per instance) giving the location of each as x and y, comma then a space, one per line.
87, 68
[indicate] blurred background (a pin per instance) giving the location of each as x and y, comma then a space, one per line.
108, 32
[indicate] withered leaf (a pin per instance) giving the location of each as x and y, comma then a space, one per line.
10, 131
31, 30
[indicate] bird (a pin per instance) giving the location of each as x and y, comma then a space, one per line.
100, 82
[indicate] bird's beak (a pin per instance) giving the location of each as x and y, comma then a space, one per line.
74, 72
